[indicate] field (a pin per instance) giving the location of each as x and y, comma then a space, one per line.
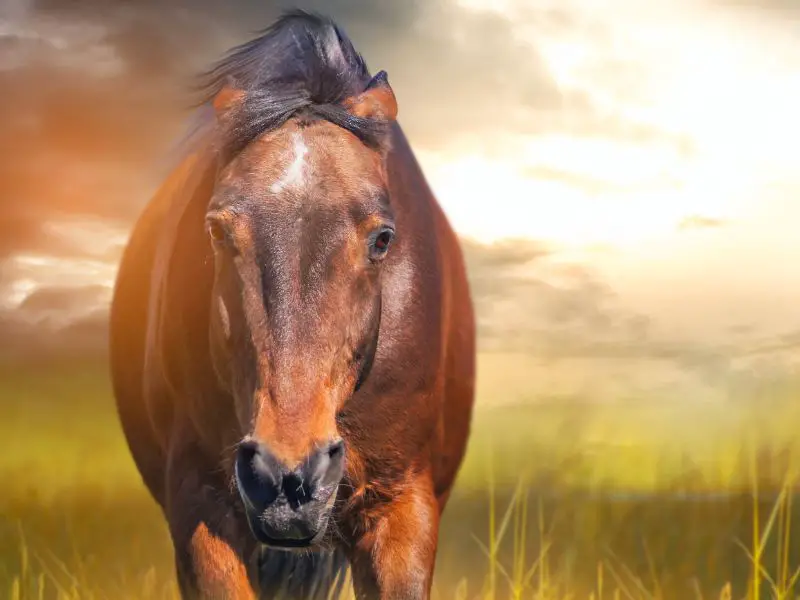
559, 498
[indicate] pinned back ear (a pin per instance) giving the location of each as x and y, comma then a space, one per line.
227, 99
377, 101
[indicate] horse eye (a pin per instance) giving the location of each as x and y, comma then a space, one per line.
380, 245
216, 232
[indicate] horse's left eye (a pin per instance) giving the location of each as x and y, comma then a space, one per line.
381, 242
216, 231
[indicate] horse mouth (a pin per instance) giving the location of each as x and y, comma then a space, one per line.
283, 527
259, 531
301, 534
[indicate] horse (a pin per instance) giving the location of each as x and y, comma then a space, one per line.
292, 335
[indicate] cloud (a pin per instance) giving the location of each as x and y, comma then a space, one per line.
68, 300
526, 300
482, 79
59, 322
463, 75
502, 255
94, 96
74, 140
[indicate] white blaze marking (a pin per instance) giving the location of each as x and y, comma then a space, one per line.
294, 174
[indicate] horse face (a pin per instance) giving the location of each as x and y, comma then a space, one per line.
300, 224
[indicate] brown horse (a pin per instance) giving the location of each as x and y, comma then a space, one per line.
292, 334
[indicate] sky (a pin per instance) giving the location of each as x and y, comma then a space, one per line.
624, 174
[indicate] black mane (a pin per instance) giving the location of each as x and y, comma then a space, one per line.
302, 64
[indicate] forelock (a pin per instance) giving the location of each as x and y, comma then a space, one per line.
302, 65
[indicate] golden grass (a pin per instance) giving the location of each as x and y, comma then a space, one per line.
556, 501
524, 577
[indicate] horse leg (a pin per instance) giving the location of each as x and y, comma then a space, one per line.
212, 544
395, 559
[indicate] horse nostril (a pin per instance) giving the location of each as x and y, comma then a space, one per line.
246, 453
328, 464
258, 474
336, 450
317, 477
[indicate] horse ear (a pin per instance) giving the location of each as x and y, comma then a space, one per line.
377, 101
228, 98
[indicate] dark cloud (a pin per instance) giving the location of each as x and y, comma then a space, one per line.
475, 78
57, 321
492, 270
87, 108
527, 302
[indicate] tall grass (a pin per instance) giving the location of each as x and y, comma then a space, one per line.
531, 577
526, 577
555, 501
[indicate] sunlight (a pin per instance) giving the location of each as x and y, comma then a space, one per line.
721, 107
490, 200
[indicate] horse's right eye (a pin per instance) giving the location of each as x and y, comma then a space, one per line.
216, 232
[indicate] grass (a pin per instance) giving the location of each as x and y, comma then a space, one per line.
562, 499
